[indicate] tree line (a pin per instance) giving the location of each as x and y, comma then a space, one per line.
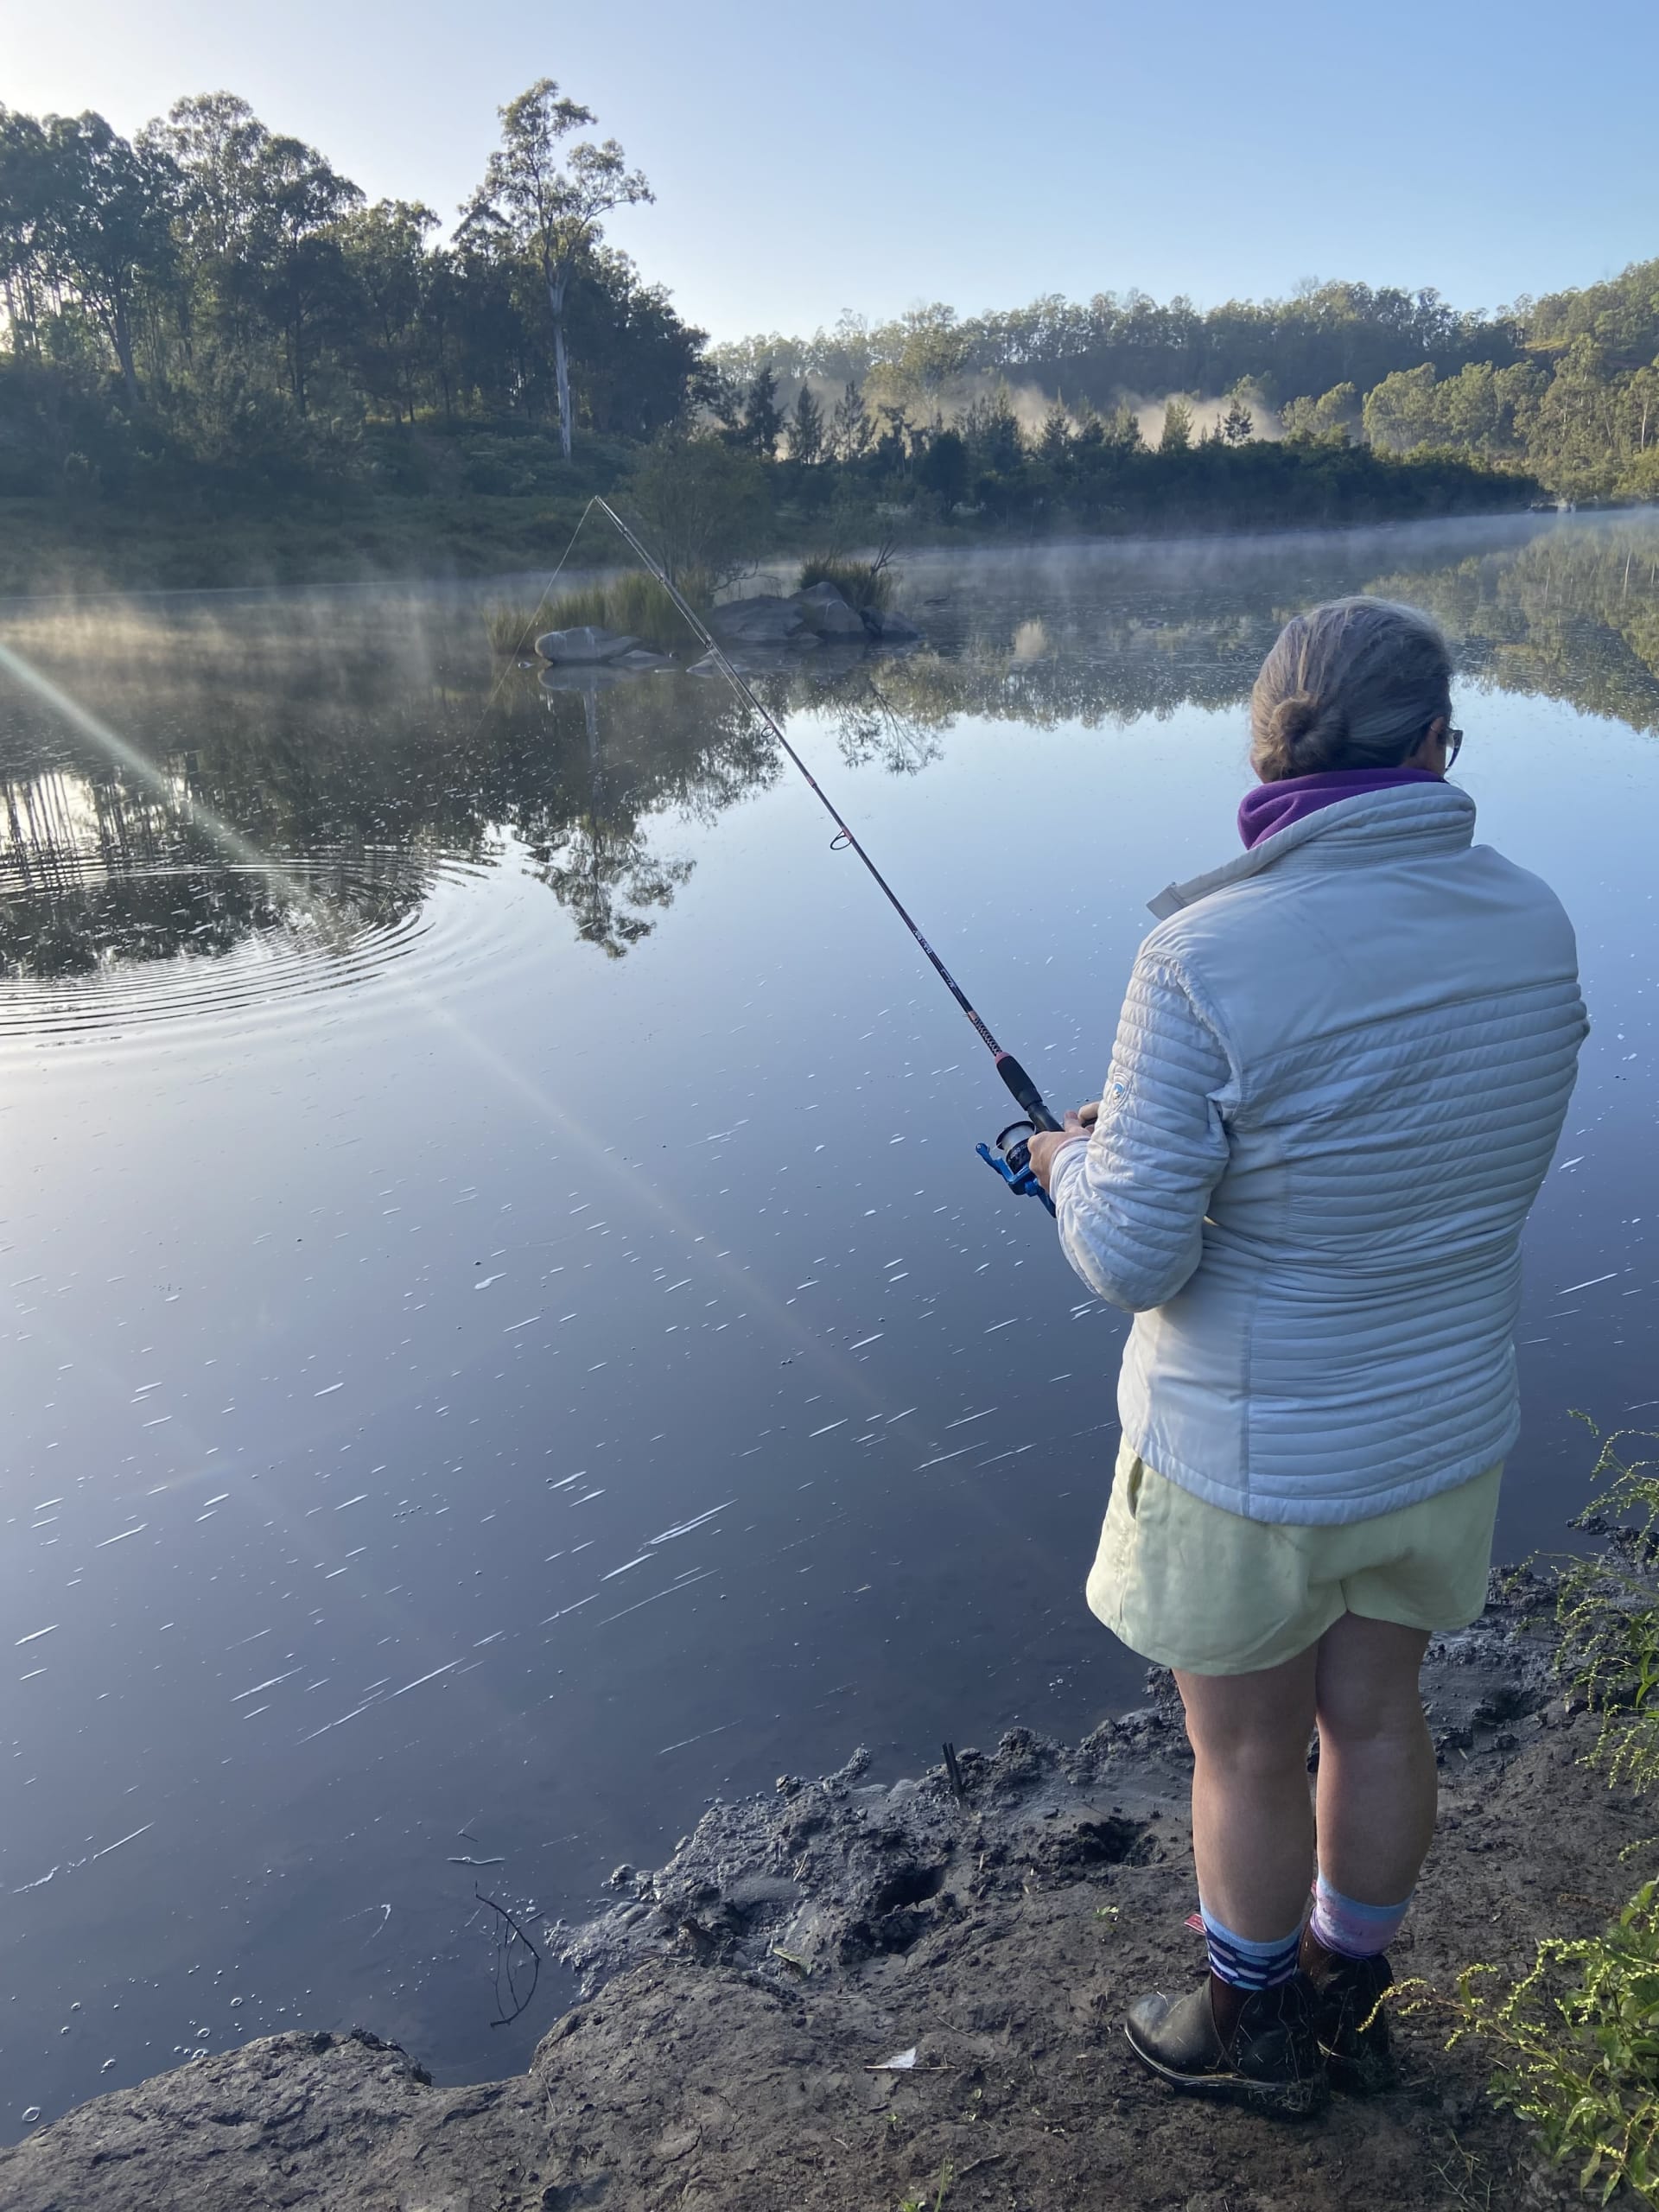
1563, 389
213, 303
211, 313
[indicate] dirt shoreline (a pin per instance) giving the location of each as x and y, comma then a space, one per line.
740, 2000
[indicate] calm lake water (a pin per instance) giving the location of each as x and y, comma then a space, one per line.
507, 1336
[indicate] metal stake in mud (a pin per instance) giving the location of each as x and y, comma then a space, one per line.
1012, 1159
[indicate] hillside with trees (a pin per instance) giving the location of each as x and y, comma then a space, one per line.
1564, 389
218, 358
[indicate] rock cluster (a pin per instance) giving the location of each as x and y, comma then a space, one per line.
821, 614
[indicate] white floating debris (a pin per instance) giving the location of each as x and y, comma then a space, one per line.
900, 2063
685, 1528
131, 1837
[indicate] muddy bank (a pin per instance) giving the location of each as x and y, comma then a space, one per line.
997, 1922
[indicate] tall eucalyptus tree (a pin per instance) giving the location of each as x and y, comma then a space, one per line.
546, 201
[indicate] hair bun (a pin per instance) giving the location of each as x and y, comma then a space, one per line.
1292, 719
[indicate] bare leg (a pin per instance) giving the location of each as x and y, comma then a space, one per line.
1376, 1790
1252, 1813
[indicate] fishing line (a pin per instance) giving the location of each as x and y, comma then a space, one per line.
1011, 1160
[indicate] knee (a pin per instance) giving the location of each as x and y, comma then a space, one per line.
1389, 1726
1249, 1756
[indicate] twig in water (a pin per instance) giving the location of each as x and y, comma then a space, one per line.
503, 1956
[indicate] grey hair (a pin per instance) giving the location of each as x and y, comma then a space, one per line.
1353, 685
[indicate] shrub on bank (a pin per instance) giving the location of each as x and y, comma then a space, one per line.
1575, 2038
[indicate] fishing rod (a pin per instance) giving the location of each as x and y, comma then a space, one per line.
1011, 1157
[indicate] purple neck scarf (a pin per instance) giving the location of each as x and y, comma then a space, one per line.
1272, 807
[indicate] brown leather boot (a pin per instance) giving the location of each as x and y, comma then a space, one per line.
1350, 2016
1254, 2046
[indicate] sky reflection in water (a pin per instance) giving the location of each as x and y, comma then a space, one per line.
507, 1335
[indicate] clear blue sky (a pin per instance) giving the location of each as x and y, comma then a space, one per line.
808, 159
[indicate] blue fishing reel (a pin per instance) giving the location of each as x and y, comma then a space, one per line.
1012, 1160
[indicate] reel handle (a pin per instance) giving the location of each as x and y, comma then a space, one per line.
1012, 1161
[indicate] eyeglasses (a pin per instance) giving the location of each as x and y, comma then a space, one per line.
1453, 743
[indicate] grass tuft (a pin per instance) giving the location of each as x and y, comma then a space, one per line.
634, 604
861, 583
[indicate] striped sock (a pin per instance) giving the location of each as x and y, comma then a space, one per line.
1234, 1958
1356, 1930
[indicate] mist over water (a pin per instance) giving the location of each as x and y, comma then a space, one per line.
506, 1334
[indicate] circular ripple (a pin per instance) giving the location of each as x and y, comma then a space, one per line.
86, 946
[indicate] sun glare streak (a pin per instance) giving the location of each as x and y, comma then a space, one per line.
230, 842
598, 1156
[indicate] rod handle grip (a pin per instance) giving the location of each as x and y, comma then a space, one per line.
1029, 1098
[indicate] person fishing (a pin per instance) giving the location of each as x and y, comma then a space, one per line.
1340, 1072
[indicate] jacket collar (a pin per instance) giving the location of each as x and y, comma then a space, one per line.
1409, 822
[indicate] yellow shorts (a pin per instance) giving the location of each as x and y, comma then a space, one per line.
1192, 1586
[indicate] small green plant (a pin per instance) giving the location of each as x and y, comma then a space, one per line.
1608, 1613
861, 583
1576, 2037
634, 604
1578, 2045
947, 2175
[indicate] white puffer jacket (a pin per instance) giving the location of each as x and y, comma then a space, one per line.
1340, 1072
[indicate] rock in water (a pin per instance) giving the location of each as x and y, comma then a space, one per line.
586, 643
826, 611
765, 620
892, 629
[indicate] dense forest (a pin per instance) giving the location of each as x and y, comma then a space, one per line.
1564, 389
209, 326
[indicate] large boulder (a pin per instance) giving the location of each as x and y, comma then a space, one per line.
764, 620
892, 629
584, 645
827, 613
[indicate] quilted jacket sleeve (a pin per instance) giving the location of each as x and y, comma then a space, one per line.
1131, 1201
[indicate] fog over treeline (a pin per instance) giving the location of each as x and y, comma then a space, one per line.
1566, 386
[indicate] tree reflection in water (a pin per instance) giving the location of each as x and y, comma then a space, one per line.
363, 740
